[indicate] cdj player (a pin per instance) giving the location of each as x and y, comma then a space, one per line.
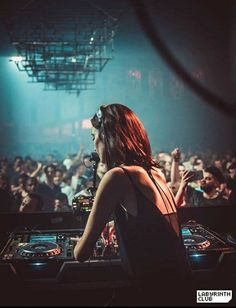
205, 248
59, 245
42, 254
45, 254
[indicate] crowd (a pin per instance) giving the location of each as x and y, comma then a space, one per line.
135, 201
29, 185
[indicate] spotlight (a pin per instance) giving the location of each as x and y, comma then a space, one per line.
16, 59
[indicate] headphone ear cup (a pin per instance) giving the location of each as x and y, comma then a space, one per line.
102, 135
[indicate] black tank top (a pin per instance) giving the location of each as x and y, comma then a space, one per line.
150, 243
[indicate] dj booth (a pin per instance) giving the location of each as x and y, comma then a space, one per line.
37, 267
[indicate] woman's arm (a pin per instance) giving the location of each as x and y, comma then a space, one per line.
108, 196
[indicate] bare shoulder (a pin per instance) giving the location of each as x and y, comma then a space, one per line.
112, 186
117, 179
114, 174
118, 173
159, 174
113, 178
137, 172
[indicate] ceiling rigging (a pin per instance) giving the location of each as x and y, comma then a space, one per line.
62, 44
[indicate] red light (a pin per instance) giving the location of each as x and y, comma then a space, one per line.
86, 124
136, 74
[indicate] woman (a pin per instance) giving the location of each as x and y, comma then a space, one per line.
134, 190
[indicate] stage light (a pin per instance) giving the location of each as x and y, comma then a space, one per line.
16, 59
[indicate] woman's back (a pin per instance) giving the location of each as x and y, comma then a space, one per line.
150, 232
151, 248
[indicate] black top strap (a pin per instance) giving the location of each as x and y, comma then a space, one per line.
174, 222
127, 173
161, 191
158, 187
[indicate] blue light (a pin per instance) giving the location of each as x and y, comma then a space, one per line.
42, 238
39, 264
186, 231
197, 255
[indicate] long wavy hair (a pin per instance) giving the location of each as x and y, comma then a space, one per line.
125, 138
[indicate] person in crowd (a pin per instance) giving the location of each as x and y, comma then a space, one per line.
89, 189
32, 168
18, 170
231, 184
164, 162
7, 201
79, 179
61, 203
189, 164
60, 180
232, 172
51, 159
135, 192
48, 189
68, 161
73, 160
31, 203
218, 163
19, 193
49, 172
89, 166
5, 167
101, 171
175, 174
208, 194
178, 168
31, 185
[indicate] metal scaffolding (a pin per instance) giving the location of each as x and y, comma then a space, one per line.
63, 44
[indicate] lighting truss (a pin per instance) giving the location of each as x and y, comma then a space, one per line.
63, 47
